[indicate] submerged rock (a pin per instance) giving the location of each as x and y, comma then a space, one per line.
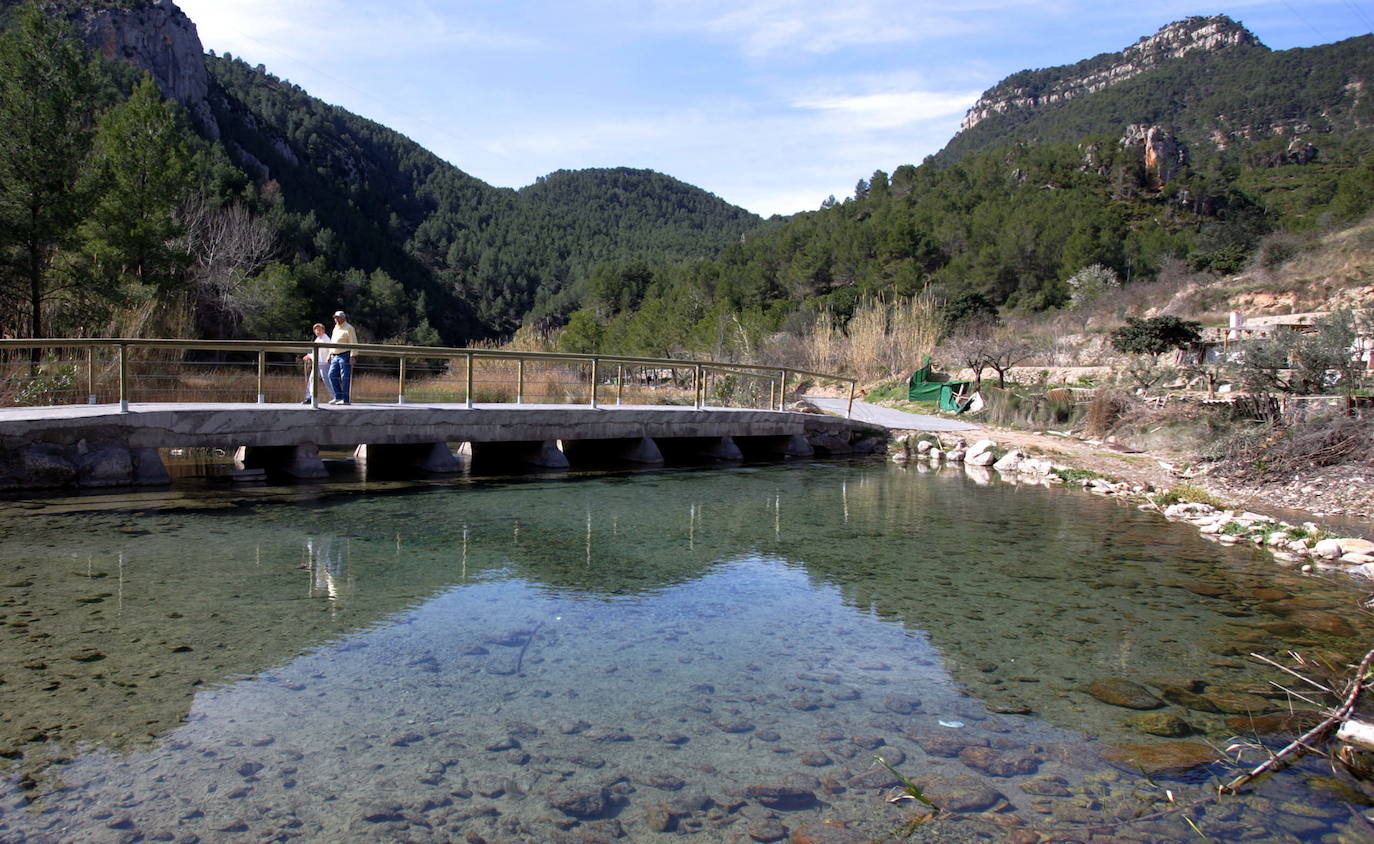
1239, 703
781, 795
578, 802
1170, 757
1048, 786
902, 704
961, 794
767, 829
1159, 724
1119, 692
1322, 622
1187, 698
1278, 722
996, 763
947, 745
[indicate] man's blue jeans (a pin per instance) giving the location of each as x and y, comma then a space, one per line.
341, 375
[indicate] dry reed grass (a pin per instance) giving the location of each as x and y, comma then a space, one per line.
881, 339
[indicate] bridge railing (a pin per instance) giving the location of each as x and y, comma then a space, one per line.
109, 370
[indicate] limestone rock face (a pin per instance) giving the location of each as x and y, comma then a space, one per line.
1164, 155
162, 40
1178, 39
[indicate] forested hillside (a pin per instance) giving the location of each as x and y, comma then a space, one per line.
287, 208
248, 208
360, 195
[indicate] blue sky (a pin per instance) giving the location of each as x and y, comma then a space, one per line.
769, 104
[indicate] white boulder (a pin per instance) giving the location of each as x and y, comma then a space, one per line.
1328, 548
1010, 461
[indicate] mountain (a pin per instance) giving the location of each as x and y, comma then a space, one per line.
1191, 149
1209, 81
1197, 151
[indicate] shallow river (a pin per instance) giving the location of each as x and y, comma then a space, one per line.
720, 654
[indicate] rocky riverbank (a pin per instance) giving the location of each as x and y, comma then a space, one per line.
1322, 530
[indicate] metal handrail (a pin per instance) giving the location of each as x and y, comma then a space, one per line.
779, 375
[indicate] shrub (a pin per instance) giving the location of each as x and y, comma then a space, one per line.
1044, 409
1107, 406
1188, 494
1077, 475
1276, 451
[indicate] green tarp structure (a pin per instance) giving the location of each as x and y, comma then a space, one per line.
947, 393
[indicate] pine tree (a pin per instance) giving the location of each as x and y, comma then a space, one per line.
46, 109
142, 165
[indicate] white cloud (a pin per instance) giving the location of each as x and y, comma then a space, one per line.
763, 28
891, 110
303, 29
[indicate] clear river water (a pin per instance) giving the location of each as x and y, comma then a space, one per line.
720, 654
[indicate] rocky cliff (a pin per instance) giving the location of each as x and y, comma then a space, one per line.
1034, 88
157, 37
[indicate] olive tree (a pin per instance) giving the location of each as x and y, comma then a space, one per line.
1302, 363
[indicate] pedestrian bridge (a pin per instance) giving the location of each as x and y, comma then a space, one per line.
414, 409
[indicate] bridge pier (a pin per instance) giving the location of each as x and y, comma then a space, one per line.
782, 445
541, 454
708, 448
641, 450
299, 461
149, 469
427, 457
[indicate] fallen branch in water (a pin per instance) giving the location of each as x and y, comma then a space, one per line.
1305, 742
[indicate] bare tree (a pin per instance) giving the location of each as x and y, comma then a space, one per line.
228, 246
1005, 349
968, 346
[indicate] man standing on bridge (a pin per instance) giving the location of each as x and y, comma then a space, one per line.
341, 362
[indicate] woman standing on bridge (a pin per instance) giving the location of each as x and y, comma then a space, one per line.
319, 359
341, 359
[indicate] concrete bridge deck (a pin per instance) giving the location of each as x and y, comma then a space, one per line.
100, 446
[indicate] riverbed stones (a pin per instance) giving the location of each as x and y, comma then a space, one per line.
1164, 724
997, 763
902, 704
1047, 786
1188, 698
734, 725
822, 833
1170, 757
947, 745
1238, 703
661, 780
874, 779
1322, 622
582, 802
1117, 691
782, 795
961, 793
1274, 723
767, 829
